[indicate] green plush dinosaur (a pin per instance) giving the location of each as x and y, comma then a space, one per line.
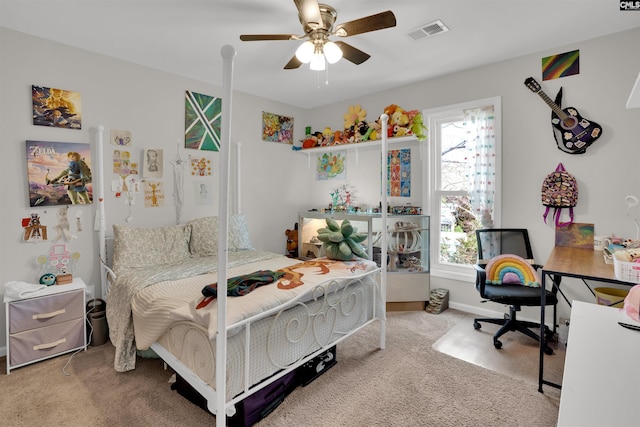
418, 127
342, 241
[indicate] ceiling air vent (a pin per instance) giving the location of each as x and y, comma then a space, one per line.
428, 30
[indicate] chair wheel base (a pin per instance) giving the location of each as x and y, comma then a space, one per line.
497, 344
477, 325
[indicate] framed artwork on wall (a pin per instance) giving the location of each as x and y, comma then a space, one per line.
277, 128
59, 173
56, 107
202, 121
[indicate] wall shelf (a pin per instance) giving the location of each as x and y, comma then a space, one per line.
361, 145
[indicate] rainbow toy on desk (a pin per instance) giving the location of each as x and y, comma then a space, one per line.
510, 269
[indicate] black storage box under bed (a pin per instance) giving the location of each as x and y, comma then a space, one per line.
261, 403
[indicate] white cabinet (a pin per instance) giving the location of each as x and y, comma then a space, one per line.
46, 325
407, 248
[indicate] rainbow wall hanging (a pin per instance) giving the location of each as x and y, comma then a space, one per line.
561, 65
511, 270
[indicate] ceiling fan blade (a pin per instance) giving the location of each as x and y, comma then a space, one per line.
375, 22
309, 13
293, 63
258, 37
352, 54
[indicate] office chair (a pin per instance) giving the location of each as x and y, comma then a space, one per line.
515, 241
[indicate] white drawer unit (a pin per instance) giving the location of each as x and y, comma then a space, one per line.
46, 325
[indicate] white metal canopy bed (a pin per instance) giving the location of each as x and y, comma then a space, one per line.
254, 339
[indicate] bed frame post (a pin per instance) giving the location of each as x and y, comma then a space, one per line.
228, 53
100, 216
238, 186
384, 118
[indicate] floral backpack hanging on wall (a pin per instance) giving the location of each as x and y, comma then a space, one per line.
559, 190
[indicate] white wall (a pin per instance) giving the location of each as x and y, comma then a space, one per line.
278, 182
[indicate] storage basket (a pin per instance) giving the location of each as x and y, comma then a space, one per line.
626, 271
612, 297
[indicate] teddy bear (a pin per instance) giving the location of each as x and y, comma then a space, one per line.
292, 242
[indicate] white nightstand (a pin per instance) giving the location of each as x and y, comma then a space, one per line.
47, 325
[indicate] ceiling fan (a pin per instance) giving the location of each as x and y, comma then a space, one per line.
317, 22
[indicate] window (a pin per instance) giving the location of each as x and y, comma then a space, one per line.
464, 188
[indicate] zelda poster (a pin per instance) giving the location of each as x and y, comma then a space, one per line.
59, 173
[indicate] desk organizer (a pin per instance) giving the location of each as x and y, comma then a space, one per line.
626, 271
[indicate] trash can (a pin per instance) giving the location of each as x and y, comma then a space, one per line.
97, 327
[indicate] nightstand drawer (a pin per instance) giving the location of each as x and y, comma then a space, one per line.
44, 342
45, 311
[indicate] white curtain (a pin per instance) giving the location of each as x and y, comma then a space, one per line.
481, 162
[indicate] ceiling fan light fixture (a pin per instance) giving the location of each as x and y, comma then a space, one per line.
317, 62
304, 53
332, 52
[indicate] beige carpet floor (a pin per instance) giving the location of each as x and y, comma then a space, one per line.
407, 384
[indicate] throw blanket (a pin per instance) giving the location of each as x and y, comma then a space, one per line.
130, 282
240, 285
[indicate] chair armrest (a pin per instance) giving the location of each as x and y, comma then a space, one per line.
481, 278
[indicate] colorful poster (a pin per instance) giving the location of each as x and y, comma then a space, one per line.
561, 65
202, 121
277, 128
56, 107
399, 173
59, 173
332, 165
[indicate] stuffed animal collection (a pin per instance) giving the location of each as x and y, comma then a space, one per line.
356, 129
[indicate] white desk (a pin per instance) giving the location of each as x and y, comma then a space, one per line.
601, 380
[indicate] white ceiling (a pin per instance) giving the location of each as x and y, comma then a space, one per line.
185, 37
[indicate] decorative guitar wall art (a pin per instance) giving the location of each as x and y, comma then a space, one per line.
576, 133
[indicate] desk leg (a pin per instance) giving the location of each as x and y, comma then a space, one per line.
543, 339
543, 303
